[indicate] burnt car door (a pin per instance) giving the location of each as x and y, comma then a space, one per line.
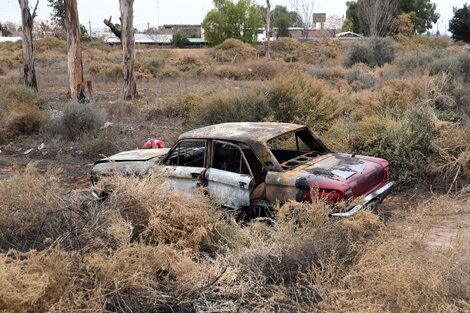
185, 165
229, 178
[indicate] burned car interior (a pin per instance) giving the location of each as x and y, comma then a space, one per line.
295, 148
188, 153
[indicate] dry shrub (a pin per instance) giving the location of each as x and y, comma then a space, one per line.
230, 106
160, 216
327, 73
106, 143
29, 207
360, 79
106, 71
78, 119
375, 52
14, 94
151, 66
456, 65
24, 118
33, 281
417, 61
453, 148
398, 272
304, 236
253, 70
234, 49
390, 276
399, 121
50, 43
141, 278
424, 42
298, 98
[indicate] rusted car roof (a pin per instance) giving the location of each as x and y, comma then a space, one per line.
246, 132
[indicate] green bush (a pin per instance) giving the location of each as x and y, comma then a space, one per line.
382, 50
358, 53
180, 40
79, 119
374, 52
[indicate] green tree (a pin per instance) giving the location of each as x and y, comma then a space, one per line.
283, 19
459, 25
422, 12
180, 40
58, 12
240, 20
84, 36
353, 22
4, 31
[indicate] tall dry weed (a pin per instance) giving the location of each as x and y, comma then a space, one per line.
29, 207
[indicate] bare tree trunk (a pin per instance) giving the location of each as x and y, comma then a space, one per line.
29, 73
377, 15
268, 29
77, 87
128, 48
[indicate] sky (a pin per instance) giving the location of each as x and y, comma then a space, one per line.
182, 11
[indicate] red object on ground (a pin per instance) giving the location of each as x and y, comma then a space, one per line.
154, 144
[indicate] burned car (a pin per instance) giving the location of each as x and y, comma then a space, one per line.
252, 165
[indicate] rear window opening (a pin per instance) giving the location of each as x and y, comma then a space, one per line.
296, 148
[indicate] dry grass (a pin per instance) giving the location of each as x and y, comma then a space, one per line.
147, 249
29, 201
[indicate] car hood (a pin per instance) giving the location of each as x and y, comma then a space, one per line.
362, 174
136, 155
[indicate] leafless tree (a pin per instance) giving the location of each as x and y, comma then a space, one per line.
128, 48
77, 86
334, 22
304, 9
268, 28
27, 19
377, 15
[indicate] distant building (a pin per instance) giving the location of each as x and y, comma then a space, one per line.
190, 31
302, 34
10, 39
151, 39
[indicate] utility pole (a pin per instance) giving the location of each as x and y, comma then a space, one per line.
89, 27
158, 14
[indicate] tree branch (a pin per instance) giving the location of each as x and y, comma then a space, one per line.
35, 10
113, 27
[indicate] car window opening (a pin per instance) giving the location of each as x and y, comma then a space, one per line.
191, 153
229, 157
296, 148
